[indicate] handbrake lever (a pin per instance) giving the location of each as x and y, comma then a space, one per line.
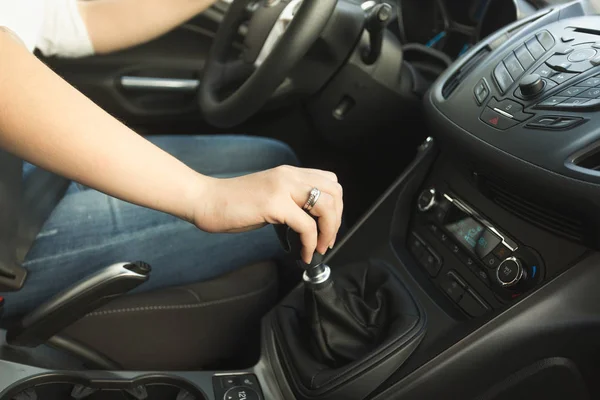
75, 302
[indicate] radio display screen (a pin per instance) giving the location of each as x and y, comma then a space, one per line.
472, 234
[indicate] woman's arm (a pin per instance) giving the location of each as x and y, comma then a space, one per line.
117, 24
48, 123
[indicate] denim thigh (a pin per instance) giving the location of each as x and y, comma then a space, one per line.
89, 230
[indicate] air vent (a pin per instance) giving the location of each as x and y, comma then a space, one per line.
459, 76
548, 218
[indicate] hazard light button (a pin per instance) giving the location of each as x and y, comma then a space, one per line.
497, 120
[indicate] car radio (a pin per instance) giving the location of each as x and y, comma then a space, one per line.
480, 249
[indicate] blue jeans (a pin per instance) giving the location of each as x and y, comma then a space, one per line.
89, 230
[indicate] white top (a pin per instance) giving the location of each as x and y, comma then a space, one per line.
55, 27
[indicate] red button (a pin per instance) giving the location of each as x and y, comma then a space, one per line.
497, 120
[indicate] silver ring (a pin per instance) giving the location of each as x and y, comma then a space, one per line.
313, 197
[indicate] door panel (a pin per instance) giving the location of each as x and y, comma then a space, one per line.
152, 86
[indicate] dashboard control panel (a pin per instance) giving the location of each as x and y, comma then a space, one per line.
455, 245
562, 63
237, 387
531, 98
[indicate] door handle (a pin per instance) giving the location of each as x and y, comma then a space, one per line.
142, 83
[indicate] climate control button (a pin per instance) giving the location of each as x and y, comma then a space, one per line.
427, 200
510, 272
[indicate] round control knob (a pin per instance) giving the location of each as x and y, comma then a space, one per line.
241, 393
531, 85
510, 272
427, 200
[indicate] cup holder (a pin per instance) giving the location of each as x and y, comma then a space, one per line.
63, 387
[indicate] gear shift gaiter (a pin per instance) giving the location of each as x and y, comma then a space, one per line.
332, 329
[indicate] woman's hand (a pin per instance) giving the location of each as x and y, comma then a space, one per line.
275, 196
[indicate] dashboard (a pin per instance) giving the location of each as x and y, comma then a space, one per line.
453, 27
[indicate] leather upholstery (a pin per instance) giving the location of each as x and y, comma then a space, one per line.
335, 334
181, 328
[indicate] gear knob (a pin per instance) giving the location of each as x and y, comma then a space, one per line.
316, 272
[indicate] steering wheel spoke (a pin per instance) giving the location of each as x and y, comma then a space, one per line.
257, 81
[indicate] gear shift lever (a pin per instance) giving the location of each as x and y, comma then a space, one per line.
316, 273
346, 315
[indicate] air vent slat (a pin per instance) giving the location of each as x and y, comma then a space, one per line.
545, 217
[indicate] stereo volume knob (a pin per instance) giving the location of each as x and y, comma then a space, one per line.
531, 85
510, 272
427, 200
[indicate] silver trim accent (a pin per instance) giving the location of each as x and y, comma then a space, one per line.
426, 144
321, 273
517, 278
162, 84
503, 113
431, 203
512, 245
368, 5
277, 31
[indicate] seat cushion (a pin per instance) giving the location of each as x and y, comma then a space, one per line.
185, 327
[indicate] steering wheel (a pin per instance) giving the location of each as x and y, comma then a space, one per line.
266, 60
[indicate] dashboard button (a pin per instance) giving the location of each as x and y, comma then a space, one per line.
581, 55
497, 120
535, 48
590, 82
427, 200
558, 63
564, 51
501, 251
481, 91
595, 61
511, 107
572, 91
524, 56
453, 289
431, 262
515, 69
574, 101
454, 276
554, 123
567, 39
590, 93
229, 382
416, 246
552, 101
472, 304
542, 123
475, 268
503, 78
506, 105
587, 104
562, 77
249, 381
544, 71
581, 66
491, 261
566, 123
545, 39
241, 393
